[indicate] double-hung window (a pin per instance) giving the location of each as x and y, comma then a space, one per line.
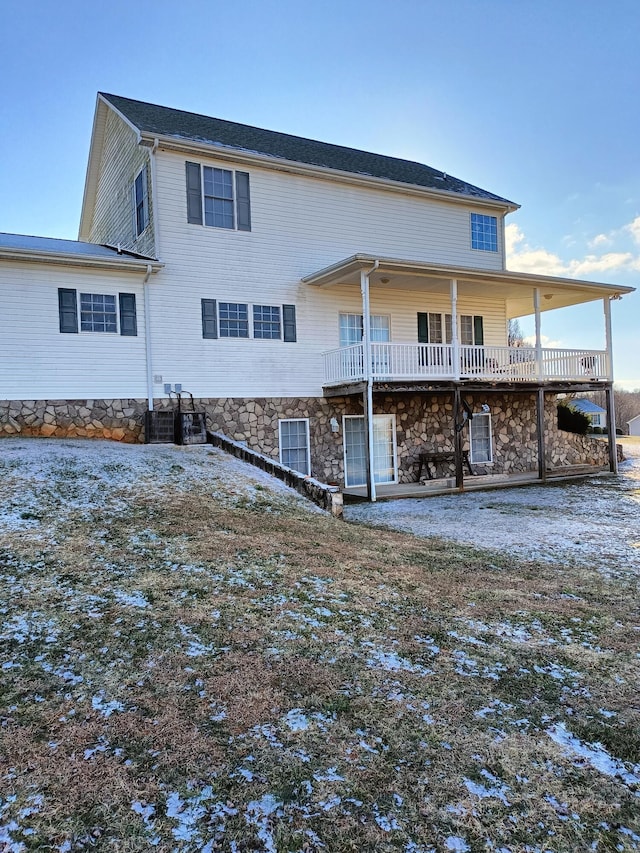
234, 320
266, 322
140, 202
99, 312
484, 232
480, 439
471, 330
294, 444
218, 198
243, 320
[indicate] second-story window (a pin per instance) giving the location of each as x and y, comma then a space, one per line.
484, 232
140, 201
218, 198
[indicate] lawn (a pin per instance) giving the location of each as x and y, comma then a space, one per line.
194, 659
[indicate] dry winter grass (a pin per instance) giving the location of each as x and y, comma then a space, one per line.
194, 660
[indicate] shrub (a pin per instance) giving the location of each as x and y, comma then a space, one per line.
571, 421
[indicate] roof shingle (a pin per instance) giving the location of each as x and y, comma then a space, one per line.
164, 121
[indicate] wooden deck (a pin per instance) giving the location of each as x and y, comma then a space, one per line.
447, 485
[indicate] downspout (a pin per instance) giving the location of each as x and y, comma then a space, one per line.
366, 340
147, 338
147, 299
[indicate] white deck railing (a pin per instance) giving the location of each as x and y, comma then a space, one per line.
393, 362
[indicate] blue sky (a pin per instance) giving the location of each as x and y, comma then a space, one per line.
536, 101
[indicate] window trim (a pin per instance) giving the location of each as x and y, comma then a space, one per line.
70, 315
472, 232
287, 321
241, 196
471, 456
306, 473
394, 427
144, 201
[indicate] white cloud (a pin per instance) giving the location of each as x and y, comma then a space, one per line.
530, 340
524, 258
633, 228
599, 240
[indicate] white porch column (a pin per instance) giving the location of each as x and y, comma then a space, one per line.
606, 302
536, 308
455, 345
366, 347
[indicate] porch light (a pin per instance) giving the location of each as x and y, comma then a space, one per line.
485, 408
333, 423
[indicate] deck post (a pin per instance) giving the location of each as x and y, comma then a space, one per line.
457, 439
536, 308
611, 429
542, 452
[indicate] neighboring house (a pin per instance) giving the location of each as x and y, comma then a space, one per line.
634, 425
340, 310
596, 414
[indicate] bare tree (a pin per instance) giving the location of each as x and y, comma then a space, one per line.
515, 335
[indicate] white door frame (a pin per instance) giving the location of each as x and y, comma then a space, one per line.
394, 448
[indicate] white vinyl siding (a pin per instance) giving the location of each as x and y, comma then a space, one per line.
122, 161
45, 364
299, 225
294, 444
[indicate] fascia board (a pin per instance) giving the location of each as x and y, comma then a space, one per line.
360, 261
128, 265
237, 155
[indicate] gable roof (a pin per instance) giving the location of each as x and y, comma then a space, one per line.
587, 407
164, 121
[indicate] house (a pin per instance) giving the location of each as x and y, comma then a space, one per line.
634, 425
343, 311
596, 414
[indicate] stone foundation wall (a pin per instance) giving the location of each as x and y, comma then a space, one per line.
121, 420
423, 422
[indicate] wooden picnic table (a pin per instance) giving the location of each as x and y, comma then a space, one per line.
427, 459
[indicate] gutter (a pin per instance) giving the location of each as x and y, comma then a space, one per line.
294, 167
117, 263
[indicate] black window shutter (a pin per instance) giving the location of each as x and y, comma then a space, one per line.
423, 328
289, 323
128, 320
68, 309
243, 203
478, 331
194, 194
209, 319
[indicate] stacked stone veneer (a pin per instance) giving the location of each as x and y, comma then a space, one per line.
121, 420
423, 422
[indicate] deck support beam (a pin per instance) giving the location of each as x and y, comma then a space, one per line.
542, 450
457, 438
611, 429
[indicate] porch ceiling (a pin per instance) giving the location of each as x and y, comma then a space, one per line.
515, 288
